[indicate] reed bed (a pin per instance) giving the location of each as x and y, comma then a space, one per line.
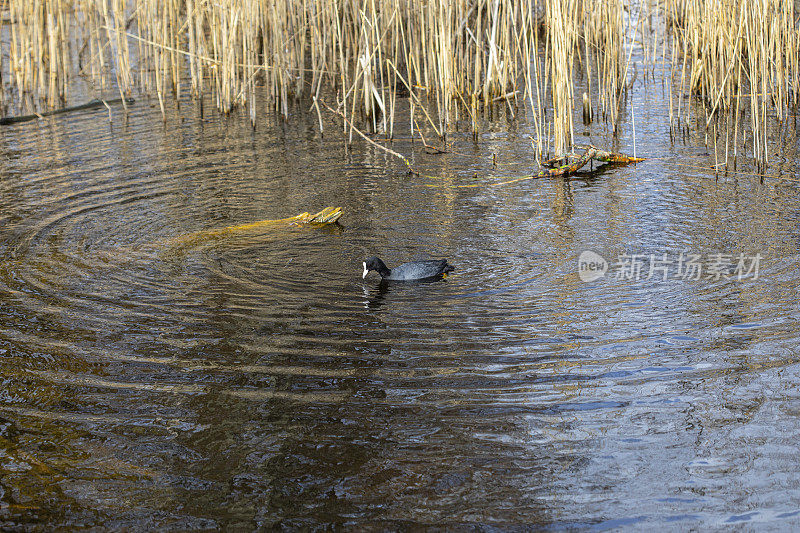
450, 60
740, 59
453, 59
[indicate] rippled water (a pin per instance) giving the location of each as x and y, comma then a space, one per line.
258, 381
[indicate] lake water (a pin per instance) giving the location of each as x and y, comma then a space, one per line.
257, 380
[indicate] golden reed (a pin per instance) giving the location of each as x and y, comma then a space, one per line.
453, 58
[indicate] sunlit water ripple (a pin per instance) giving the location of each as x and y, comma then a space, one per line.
257, 380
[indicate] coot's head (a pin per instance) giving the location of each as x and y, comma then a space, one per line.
374, 263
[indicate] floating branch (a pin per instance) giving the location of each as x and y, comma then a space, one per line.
565, 166
614, 157
88, 105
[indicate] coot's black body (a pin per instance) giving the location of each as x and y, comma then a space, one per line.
416, 270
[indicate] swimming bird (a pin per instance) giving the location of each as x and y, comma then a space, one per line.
414, 270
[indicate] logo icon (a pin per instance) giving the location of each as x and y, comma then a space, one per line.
591, 266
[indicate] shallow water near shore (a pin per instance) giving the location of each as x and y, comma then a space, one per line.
258, 380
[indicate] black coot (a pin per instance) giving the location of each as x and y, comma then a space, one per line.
408, 271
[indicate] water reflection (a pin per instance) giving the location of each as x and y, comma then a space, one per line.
258, 381
375, 296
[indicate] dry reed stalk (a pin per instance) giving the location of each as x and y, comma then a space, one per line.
561, 16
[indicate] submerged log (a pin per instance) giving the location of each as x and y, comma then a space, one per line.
88, 105
328, 216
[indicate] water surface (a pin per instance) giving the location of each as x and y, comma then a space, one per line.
258, 381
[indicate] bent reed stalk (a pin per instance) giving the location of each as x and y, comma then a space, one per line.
454, 59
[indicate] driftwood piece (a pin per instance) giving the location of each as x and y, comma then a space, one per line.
560, 166
569, 168
614, 157
4, 121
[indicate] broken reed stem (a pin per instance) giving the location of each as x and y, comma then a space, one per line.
366, 138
